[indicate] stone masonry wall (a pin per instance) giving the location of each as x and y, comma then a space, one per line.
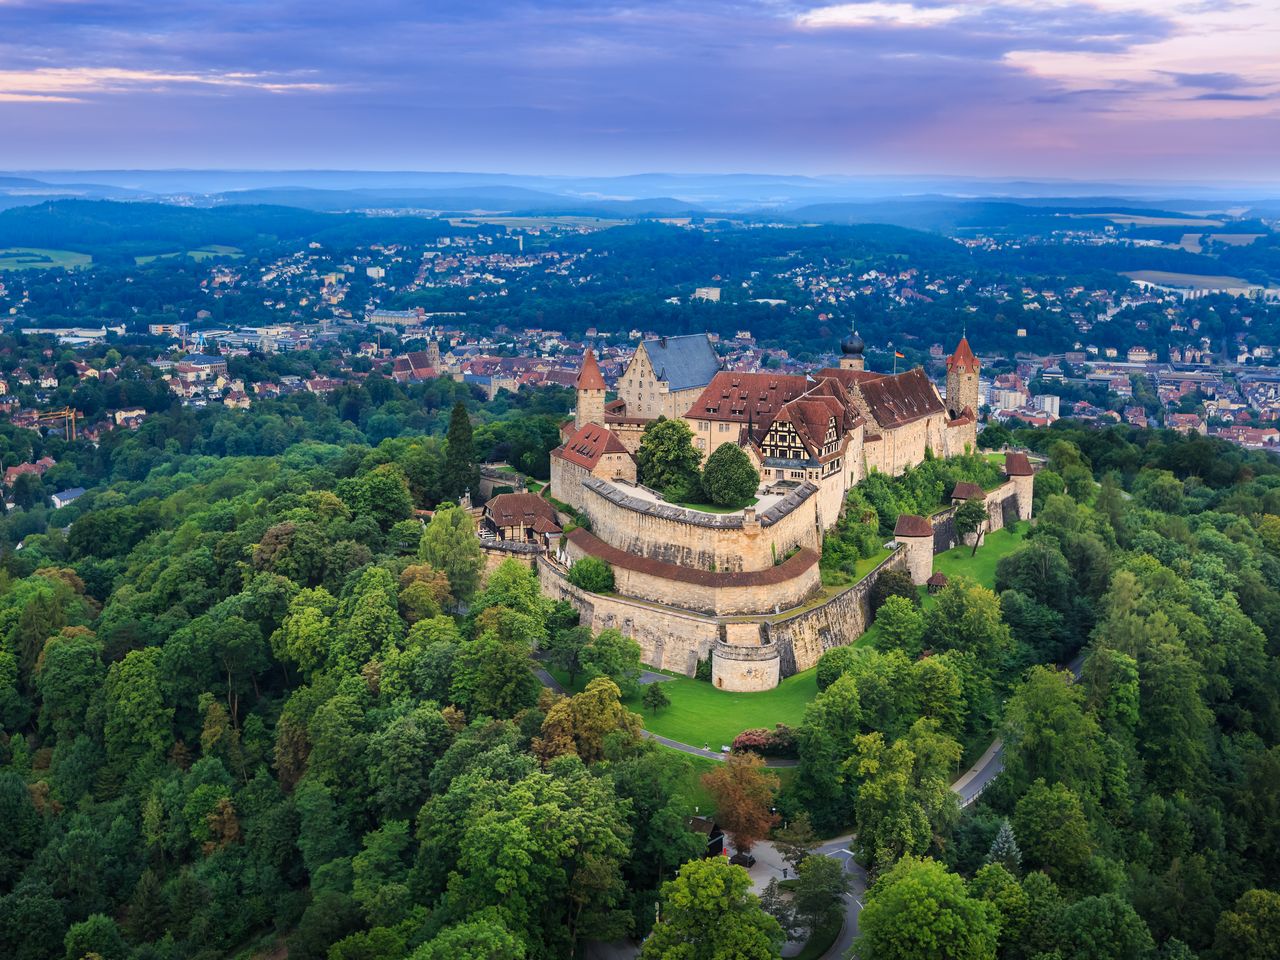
701, 540
803, 638
725, 598
669, 639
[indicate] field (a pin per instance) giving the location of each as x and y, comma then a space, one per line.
34, 258
207, 252
1191, 241
1138, 220
539, 223
1190, 281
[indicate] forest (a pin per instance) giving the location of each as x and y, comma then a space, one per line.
257, 696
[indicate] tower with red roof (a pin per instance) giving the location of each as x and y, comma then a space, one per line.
962, 381
591, 387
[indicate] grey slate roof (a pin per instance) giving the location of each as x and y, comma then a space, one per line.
683, 362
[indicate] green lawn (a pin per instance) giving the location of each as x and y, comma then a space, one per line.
702, 715
861, 568
982, 567
36, 258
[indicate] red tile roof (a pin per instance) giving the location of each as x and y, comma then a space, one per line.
910, 525
1017, 465
588, 444
589, 376
963, 359
743, 397
897, 400
968, 491
519, 509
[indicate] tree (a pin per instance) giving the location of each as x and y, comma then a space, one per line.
482, 936
743, 792
382, 493
1250, 930
729, 479
655, 698
900, 626
612, 655
818, 898
580, 724
460, 474
708, 913
1053, 831
970, 518
919, 910
592, 574
779, 907
491, 677
68, 678
1104, 928
138, 725
564, 648
97, 935
666, 459
893, 583
1048, 736
795, 840
1004, 849
449, 543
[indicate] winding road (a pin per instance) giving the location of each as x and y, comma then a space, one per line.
968, 787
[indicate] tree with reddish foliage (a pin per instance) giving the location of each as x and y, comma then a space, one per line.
743, 792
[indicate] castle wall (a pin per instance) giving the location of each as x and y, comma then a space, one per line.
802, 639
704, 541
566, 481
787, 585
669, 639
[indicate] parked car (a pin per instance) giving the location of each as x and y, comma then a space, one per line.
743, 860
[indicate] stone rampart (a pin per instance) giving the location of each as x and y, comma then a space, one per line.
669, 639
783, 586
803, 638
705, 541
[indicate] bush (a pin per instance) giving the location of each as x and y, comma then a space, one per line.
778, 742
893, 583
592, 574
729, 480
703, 670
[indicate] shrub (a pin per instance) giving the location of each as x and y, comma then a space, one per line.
778, 742
703, 670
593, 574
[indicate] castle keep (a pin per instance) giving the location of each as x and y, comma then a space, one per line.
743, 588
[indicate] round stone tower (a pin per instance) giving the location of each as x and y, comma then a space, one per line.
916, 536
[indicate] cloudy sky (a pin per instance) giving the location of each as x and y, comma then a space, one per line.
1164, 89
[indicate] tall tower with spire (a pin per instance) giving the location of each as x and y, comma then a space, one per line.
851, 353
962, 380
591, 389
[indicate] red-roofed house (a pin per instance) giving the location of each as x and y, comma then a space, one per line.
591, 450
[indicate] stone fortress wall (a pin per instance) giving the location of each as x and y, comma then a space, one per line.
741, 541
716, 593
750, 651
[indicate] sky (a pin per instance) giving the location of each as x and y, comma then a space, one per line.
1133, 89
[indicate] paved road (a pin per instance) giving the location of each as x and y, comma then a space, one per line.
969, 787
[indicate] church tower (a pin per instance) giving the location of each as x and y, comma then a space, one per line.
433, 354
962, 380
590, 392
851, 353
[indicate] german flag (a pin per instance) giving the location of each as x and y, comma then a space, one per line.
899, 355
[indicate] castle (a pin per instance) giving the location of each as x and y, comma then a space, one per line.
744, 588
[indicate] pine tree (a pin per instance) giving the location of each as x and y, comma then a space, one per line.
1004, 849
461, 475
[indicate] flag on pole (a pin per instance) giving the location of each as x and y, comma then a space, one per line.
899, 355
